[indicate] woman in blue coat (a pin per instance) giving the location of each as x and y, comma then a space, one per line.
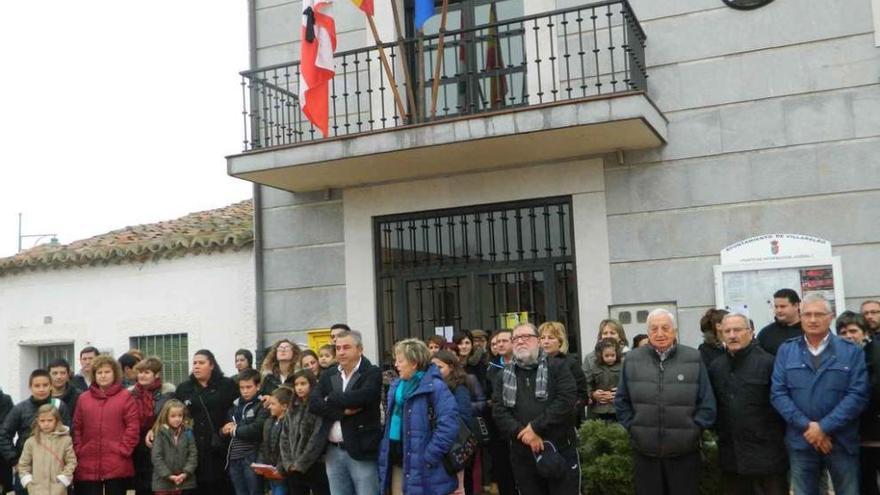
420, 428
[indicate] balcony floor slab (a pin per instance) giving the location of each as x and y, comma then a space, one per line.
511, 138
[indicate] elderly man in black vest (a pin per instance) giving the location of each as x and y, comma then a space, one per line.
751, 434
665, 401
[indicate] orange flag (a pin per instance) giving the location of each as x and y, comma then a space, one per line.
365, 5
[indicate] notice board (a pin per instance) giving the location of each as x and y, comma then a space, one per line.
753, 269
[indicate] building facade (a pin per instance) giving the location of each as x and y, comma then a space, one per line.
169, 289
583, 160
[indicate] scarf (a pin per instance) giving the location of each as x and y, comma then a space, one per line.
508, 393
404, 389
146, 402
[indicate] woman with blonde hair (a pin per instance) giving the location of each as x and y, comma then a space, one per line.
554, 341
421, 426
279, 364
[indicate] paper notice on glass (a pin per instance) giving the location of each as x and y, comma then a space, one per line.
445, 332
736, 289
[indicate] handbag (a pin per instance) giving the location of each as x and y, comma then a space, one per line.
463, 447
482, 433
217, 442
462, 451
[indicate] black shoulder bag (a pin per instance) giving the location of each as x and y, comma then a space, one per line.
217, 442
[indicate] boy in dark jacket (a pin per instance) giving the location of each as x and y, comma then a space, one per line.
245, 427
20, 419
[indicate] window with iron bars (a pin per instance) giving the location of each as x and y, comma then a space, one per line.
172, 349
486, 267
48, 353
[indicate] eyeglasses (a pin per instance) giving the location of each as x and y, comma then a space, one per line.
523, 338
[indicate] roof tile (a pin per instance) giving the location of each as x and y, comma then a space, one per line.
208, 231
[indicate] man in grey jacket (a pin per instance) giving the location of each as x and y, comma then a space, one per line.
665, 401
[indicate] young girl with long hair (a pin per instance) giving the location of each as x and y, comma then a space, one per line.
174, 453
47, 461
303, 440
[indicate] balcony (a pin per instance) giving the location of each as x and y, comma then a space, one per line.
555, 85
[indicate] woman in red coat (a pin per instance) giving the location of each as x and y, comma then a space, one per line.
105, 432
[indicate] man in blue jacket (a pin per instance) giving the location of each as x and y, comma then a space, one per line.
820, 387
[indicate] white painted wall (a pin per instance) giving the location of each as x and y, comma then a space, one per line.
209, 297
584, 180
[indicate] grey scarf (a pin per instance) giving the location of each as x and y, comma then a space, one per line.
509, 379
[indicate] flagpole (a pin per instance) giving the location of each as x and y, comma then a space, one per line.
387, 66
435, 89
401, 48
421, 67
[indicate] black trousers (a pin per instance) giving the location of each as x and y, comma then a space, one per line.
770, 484
314, 480
106, 487
529, 482
870, 465
667, 476
502, 474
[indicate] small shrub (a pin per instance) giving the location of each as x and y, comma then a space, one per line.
607, 466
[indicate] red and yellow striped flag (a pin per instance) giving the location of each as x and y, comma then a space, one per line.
365, 5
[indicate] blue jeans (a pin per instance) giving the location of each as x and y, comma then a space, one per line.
278, 487
348, 476
244, 479
808, 465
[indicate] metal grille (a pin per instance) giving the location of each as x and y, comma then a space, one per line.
48, 353
479, 267
172, 349
580, 52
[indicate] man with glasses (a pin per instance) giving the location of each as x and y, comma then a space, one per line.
499, 447
532, 402
751, 434
665, 401
820, 387
348, 398
871, 311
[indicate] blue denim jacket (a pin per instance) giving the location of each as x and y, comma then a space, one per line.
833, 395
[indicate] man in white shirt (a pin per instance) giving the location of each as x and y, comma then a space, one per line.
349, 397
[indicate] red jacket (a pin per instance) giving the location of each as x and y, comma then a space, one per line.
105, 433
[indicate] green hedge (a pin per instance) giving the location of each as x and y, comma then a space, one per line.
606, 461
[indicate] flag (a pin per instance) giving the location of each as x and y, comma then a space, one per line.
365, 5
495, 60
424, 10
318, 43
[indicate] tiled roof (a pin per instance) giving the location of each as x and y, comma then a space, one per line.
208, 231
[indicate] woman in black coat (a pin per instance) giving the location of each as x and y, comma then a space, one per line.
208, 395
554, 341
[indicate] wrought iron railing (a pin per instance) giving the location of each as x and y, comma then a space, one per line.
591, 50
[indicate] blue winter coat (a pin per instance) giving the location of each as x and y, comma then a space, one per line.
423, 449
833, 395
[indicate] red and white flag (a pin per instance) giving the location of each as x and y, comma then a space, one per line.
318, 43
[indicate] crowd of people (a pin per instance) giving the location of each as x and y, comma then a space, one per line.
790, 404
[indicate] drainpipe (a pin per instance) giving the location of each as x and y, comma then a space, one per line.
258, 198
